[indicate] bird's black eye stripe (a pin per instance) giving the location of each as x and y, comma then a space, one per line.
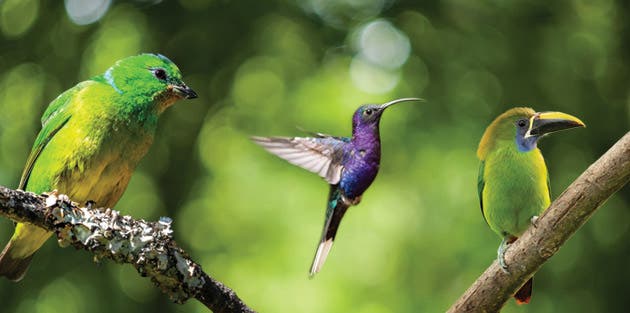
521, 123
159, 73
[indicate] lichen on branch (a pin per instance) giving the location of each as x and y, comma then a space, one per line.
148, 246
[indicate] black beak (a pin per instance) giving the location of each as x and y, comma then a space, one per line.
549, 122
185, 91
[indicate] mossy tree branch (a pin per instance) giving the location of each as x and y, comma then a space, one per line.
148, 246
565, 215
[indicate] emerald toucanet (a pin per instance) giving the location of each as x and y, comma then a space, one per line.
513, 182
93, 136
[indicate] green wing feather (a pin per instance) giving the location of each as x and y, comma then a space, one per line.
480, 185
56, 116
548, 185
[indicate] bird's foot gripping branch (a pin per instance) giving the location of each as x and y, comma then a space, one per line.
555, 226
148, 246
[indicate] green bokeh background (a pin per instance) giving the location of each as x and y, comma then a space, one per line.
417, 240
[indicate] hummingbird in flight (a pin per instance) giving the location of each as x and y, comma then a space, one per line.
348, 164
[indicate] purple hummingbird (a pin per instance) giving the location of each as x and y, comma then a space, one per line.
349, 165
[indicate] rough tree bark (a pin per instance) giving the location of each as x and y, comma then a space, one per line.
148, 246
565, 215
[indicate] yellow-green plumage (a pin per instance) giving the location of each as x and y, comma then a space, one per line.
513, 182
93, 136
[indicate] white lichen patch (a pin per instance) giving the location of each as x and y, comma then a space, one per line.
147, 245
187, 269
51, 198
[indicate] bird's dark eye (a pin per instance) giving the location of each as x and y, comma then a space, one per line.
159, 73
368, 112
521, 123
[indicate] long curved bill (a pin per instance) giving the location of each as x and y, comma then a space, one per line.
548, 122
385, 105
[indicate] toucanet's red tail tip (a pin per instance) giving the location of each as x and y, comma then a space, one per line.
524, 295
523, 301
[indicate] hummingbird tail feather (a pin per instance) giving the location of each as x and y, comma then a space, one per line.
524, 295
320, 256
11, 267
337, 206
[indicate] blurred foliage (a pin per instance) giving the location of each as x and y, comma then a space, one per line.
418, 240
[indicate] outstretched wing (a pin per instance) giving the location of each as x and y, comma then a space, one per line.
54, 119
480, 185
321, 155
322, 135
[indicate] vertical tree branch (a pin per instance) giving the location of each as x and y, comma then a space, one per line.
565, 215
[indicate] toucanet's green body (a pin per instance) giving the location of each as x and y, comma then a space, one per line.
513, 186
93, 136
513, 181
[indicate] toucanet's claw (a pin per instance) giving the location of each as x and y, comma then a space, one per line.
534, 221
505, 243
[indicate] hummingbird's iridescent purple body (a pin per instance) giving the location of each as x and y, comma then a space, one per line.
349, 165
362, 157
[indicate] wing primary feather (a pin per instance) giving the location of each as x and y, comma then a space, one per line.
480, 187
320, 155
37, 150
55, 117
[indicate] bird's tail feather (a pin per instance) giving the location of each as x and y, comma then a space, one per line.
11, 267
336, 209
320, 256
17, 254
524, 294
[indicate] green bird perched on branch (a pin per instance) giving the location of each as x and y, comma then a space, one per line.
513, 180
93, 136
